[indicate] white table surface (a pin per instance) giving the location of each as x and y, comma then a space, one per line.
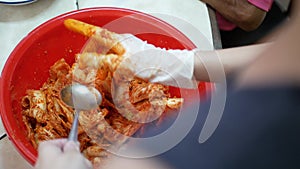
191, 17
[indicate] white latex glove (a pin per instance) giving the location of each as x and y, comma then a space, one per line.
157, 65
61, 154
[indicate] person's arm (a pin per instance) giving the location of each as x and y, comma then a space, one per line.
281, 64
227, 60
240, 12
184, 65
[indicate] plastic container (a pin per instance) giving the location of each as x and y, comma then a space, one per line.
28, 65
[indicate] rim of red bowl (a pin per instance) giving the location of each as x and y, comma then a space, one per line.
15, 56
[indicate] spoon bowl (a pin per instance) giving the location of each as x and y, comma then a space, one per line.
80, 97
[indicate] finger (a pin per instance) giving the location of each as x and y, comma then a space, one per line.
71, 146
58, 142
49, 150
88, 163
52, 147
78, 161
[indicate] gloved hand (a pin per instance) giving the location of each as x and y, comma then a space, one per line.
61, 154
158, 65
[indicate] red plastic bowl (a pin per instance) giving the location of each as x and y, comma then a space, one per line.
28, 65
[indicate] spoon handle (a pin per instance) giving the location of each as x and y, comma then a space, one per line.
73, 135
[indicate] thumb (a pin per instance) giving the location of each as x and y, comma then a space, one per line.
71, 146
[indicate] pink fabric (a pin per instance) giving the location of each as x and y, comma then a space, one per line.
226, 25
262, 4
223, 23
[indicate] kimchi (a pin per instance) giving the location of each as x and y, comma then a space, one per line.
128, 104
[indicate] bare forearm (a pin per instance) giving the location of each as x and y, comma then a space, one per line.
210, 64
240, 12
280, 65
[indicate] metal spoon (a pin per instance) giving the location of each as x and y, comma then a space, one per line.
80, 97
